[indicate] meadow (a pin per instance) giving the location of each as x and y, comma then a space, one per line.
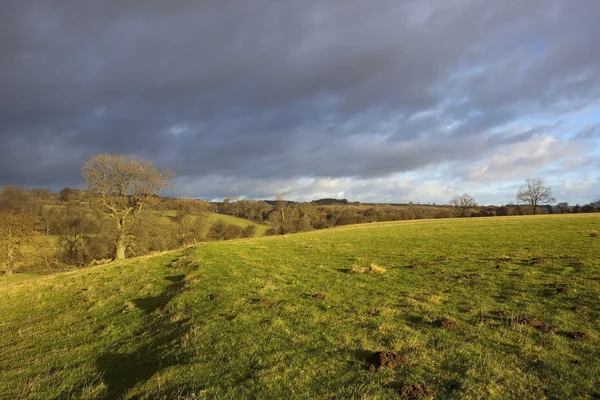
503, 307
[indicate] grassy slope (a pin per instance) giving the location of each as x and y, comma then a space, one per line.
149, 327
52, 240
228, 219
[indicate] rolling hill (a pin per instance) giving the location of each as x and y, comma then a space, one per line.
504, 307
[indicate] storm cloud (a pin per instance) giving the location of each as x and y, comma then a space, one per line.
375, 100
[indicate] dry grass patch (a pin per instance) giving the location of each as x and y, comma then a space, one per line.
376, 269
357, 269
372, 269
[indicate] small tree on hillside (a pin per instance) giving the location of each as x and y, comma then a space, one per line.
16, 229
121, 185
564, 207
535, 193
463, 205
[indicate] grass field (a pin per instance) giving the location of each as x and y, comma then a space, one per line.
463, 308
50, 242
228, 219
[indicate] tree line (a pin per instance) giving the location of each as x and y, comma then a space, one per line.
120, 214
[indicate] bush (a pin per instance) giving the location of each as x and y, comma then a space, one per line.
249, 231
222, 231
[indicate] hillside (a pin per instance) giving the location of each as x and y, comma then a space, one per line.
505, 307
228, 219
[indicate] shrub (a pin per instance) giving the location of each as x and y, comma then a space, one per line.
249, 231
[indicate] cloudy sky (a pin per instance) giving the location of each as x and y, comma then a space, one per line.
378, 100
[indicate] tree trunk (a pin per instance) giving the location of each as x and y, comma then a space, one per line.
120, 242
10, 259
120, 248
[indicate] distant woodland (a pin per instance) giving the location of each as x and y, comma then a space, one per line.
121, 215
58, 231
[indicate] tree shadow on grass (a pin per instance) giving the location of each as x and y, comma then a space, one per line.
151, 304
123, 370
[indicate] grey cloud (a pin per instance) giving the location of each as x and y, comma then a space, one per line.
273, 91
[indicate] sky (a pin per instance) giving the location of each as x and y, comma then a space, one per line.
373, 101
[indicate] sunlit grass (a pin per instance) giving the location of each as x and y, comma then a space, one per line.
477, 308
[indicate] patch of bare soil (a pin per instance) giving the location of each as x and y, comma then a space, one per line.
534, 322
581, 336
415, 392
577, 308
320, 296
215, 297
387, 359
525, 320
447, 324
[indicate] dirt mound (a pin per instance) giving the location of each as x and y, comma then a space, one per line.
536, 323
525, 320
447, 324
578, 336
387, 359
563, 290
415, 392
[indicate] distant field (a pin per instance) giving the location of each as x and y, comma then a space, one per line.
214, 217
260, 228
465, 309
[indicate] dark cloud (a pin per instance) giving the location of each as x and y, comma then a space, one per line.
272, 91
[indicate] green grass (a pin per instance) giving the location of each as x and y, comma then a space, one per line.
281, 317
228, 219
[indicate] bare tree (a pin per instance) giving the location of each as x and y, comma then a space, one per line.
564, 207
463, 205
122, 185
16, 229
534, 193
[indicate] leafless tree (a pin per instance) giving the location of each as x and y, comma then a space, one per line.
16, 229
564, 207
535, 192
463, 205
121, 185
